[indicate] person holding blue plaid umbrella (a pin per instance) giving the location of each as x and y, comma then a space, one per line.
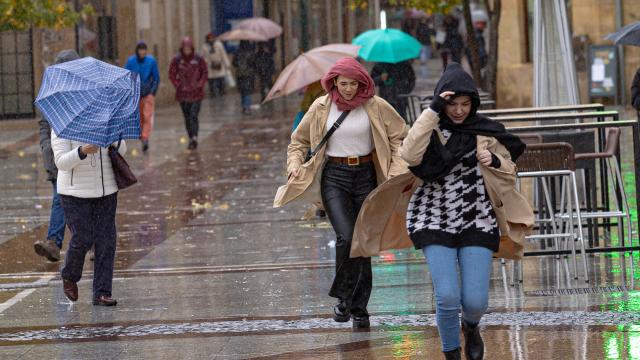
90, 105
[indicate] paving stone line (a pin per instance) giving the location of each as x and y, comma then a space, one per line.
564, 318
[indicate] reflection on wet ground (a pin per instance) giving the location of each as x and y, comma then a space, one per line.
206, 269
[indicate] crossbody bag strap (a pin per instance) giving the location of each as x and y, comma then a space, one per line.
333, 129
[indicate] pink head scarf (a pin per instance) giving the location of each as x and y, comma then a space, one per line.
351, 68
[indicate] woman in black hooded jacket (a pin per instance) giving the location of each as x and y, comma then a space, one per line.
450, 217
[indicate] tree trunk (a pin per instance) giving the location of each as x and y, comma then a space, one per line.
492, 63
472, 43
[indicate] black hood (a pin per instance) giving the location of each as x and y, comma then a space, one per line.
459, 81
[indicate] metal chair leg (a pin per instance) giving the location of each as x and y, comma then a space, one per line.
613, 164
552, 215
572, 240
580, 234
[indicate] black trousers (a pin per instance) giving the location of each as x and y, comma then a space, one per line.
190, 110
92, 222
216, 86
344, 188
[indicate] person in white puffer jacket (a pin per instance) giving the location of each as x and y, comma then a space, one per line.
89, 195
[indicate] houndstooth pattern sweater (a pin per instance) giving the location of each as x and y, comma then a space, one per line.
454, 211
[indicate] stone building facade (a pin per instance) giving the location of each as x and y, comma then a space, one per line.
590, 21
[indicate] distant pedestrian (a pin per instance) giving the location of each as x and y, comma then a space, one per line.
245, 64
311, 93
635, 91
394, 80
147, 68
89, 196
188, 74
467, 200
265, 67
50, 248
482, 48
453, 42
361, 154
424, 32
218, 64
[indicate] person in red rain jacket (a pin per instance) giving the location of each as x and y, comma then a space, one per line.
188, 74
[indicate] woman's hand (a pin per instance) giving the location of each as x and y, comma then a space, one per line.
89, 149
295, 173
484, 157
446, 95
439, 103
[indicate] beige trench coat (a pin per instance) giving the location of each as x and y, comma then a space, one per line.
388, 131
381, 224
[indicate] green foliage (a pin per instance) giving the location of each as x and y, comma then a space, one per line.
428, 6
20, 15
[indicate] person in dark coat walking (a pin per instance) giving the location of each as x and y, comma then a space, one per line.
393, 80
265, 67
453, 43
245, 63
188, 74
482, 48
50, 248
635, 91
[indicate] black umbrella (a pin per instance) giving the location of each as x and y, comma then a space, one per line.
628, 35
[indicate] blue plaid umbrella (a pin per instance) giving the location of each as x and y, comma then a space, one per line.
90, 101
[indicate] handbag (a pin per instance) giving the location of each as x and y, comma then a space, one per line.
326, 137
229, 79
121, 170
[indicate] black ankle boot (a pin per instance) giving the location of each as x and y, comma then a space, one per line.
473, 345
452, 355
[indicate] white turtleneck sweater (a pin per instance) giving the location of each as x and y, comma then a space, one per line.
354, 137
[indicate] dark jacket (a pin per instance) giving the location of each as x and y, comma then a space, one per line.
245, 64
45, 128
188, 74
635, 91
401, 80
265, 66
453, 40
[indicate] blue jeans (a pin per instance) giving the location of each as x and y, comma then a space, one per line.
246, 101
474, 263
56, 220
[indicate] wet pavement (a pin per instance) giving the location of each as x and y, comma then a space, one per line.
207, 269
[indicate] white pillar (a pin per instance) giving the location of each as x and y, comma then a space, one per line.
554, 74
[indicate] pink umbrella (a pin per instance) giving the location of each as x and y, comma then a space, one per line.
242, 34
309, 67
262, 26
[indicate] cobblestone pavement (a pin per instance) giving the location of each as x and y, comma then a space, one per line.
207, 269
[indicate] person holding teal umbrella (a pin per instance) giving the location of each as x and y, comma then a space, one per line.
387, 46
394, 80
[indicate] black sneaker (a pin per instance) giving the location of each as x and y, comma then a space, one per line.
341, 312
360, 319
145, 145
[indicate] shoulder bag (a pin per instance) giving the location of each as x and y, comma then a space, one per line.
121, 170
326, 137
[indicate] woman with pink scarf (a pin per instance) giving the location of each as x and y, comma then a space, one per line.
359, 155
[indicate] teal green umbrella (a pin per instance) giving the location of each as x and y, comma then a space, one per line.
387, 45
